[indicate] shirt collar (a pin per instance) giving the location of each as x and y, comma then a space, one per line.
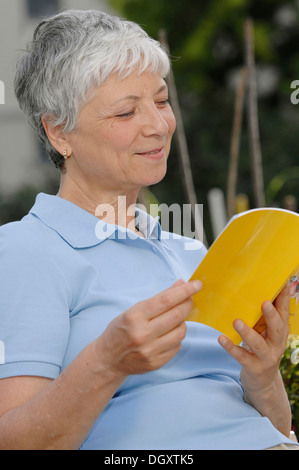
81, 229
148, 225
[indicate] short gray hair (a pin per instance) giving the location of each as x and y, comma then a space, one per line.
71, 53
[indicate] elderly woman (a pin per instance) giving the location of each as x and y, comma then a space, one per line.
93, 298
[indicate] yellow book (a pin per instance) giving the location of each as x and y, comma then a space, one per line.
253, 258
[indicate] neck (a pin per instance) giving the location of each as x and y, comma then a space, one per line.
110, 206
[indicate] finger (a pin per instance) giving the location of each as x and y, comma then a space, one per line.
169, 298
169, 320
168, 342
179, 282
239, 353
166, 356
254, 340
277, 325
282, 303
163, 357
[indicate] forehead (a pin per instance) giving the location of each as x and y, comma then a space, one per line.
133, 87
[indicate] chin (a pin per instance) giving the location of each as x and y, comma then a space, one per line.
152, 178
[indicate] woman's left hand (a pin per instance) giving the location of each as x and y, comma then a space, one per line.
260, 358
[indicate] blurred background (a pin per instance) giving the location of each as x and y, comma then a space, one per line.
240, 125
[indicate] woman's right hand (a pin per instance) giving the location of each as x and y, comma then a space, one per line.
149, 334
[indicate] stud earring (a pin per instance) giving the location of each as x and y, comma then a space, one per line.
65, 155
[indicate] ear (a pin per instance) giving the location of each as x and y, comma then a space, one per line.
56, 136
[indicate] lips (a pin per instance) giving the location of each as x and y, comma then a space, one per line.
155, 154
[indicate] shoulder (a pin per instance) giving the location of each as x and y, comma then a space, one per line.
15, 235
29, 258
26, 240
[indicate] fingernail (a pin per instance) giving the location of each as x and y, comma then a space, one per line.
197, 284
223, 341
238, 324
267, 306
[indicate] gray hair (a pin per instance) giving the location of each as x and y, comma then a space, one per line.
71, 53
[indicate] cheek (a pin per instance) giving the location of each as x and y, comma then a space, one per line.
119, 138
171, 123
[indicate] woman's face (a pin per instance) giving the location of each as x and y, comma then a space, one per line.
124, 133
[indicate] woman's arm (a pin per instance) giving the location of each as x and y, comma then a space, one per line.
260, 376
45, 414
55, 414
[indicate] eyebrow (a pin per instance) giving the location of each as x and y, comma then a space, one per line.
136, 98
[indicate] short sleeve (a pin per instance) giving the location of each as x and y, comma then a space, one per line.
34, 305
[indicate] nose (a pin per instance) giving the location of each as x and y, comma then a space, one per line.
154, 123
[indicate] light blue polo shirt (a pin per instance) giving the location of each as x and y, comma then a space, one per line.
64, 275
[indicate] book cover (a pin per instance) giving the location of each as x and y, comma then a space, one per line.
250, 261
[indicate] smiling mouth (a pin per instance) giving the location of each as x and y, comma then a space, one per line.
154, 154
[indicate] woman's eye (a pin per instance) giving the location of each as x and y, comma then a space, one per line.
125, 115
163, 103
